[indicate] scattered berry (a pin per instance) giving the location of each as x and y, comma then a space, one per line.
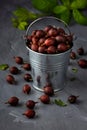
31, 104
45, 99
72, 98
26, 88
73, 55
48, 90
29, 113
82, 63
14, 70
10, 79
28, 77
26, 66
18, 59
80, 51
13, 101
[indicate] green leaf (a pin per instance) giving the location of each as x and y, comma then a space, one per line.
22, 25
59, 9
75, 70
60, 102
79, 4
33, 16
15, 22
79, 17
66, 16
4, 66
21, 13
65, 2
45, 6
24, 15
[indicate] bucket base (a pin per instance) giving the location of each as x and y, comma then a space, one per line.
55, 90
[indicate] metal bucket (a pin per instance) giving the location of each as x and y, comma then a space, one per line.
48, 68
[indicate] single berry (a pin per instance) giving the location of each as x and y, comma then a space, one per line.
28, 77
52, 32
60, 39
26, 66
34, 47
41, 41
31, 104
34, 40
82, 63
10, 79
62, 47
42, 49
80, 51
73, 55
13, 101
45, 99
72, 98
40, 33
49, 41
51, 50
26, 88
29, 113
48, 90
18, 60
14, 70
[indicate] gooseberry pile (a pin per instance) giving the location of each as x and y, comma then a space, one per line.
50, 40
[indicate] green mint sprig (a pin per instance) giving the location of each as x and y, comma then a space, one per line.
21, 18
63, 9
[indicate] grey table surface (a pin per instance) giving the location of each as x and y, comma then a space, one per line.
71, 117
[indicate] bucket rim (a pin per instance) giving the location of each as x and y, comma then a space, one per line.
50, 17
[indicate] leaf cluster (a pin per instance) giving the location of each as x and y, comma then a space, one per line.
63, 9
21, 18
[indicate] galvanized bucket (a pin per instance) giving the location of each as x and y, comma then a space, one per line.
48, 68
